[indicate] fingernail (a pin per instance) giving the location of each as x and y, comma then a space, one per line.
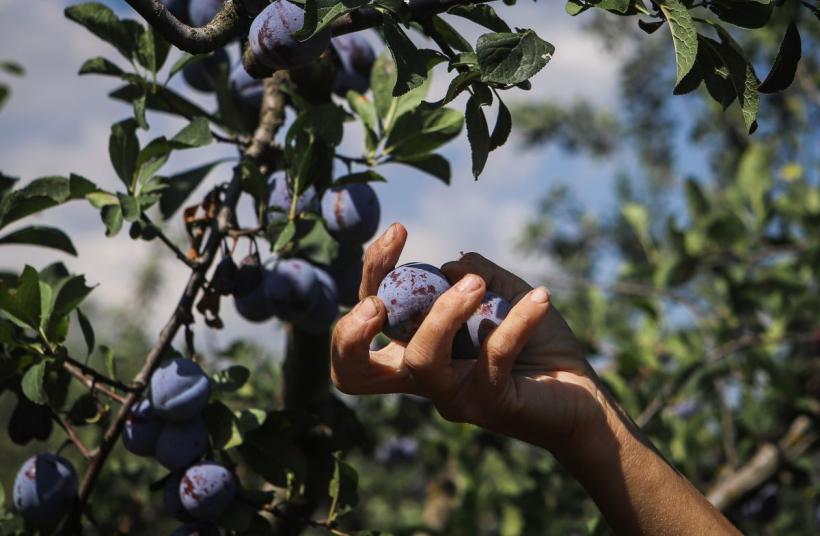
365, 310
390, 233
540, 295
468, 283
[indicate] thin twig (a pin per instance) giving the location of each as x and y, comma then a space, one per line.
72, 435
92, 384
97, 376
167, 241
241, 141
250, 231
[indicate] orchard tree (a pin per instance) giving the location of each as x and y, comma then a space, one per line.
234, 463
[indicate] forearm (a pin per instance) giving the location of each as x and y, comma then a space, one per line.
637, 491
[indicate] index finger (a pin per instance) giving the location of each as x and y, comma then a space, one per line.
504, 283
381, 257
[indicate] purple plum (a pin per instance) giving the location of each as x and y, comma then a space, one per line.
203, 74
179, 390
201, 12
272, 42
206, 490
171, 502
45, 489
356, 57
281, 197
141, 430
182, 443
352, 212
225, 277
324, 306
408, 294
290, 286
489, 314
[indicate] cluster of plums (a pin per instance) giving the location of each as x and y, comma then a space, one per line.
409, 292
272, 43
168, 426
292, 289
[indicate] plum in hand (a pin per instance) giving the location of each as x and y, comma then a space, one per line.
408, 294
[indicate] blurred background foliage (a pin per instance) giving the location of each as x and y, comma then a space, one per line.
697, 299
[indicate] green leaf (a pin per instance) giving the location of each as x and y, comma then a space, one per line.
478, 134
285, 236
360, 177
100, 65
423, 131
576, 7
433, 164
502, 128
12, 67
743, 78
343, 489
139, 110
222, 426
33, 381
511, 58
743, 13
130, 207
104, 23
319, 14
457, 85
70, 295
638, 218
38, 235
4, 95
785, 64
318, 245
754, 177
684, 36
231, 379
161, 99
111, 216
196, 134
87, 329
617, 6
411, 64
480, 14
366, 111
152, 157
110, 360
185, 60
23, 305
698, 203
180, 187
123, 149
41, 194
450, 35
152, 50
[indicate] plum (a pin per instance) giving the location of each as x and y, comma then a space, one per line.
471, 336
179, 389
225, 276
249, 297
408, 293
290, 286
179, 9
201, 12
141, 430
346, 270
324, 306
29, 421
196, 529
281, 198
247, 89
206, 490
45, 489
203, 74
272, 42
182, 443
351, 212
356, 57
172, 504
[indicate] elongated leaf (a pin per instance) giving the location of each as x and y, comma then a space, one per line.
123, 149
482, 14
411, 64
684, 36
319, 14
24, 303
33, 383
502, 128
423, 131
87, 329
38, 235
433, 164
743, 13
104, 23
100, 65
180, 186
196, 134
512, 58
70, 295
478, 134
161, 99
785, 64
359, 177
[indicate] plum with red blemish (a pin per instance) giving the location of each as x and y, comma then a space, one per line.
198, 528
179, 390
201, 12
141, 430
492, 310
203, 74
408, 294
272, 42
45, 489
351, 212
356, 59
182, 443
206, 490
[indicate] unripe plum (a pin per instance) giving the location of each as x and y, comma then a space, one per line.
182, 443
204, 74
201, 12
179, 389
198, 528
206, 490
471, 336
29, 421
45, 489
356, 57
408, 293
351, 212
272, 42
141, 430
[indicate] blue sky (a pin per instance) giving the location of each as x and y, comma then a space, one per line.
57, 122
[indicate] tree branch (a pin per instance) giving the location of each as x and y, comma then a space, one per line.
72, 435
96, 376
92, 383
270, 120
167, 241
765, 462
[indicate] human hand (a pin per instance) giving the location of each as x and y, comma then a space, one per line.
530, 380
